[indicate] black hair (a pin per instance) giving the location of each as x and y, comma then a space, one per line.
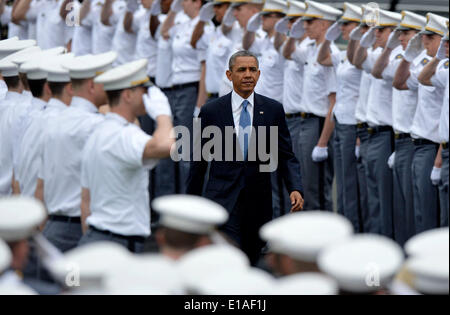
57, 88
12, 82
37, 87
114, 97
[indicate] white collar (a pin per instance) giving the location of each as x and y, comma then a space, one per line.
237, 100
11, 95
84, 104
54, 102
117, 117
37, 102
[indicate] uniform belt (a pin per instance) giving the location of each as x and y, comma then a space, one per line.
374, 130
444, 145
214, 95
63, 218
399, 136
423, 142
133, 238
302, 115
362, 125
184, 85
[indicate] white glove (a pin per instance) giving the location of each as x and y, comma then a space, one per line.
357, 151
156, 103
435, 176
254, 23
156, 8
368, 39
176, 6
228, 18
319, 154
441, 53
297, 29
196, 111
414, 48
207, 12
132, 6
333, 32
391, 160
394, 40
356, 34
282, 26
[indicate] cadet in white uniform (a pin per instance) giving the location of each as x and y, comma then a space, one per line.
425, 126
319, 88
105, 23
435, 73
379, 118
348, 80
31, 147
114, 178
64, 140
82, 34
186, 72
403, 109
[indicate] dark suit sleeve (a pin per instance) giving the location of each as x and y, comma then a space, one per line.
197, 171
288, 165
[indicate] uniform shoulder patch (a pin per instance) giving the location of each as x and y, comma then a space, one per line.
425, 61
446, 64
399, 56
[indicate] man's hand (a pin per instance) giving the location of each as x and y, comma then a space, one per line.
435, 176
391, 160
255, 22
319, 154
441, 53
156, 8
228, 18
357, 33
282, 26
297, 29
207, 12
394, 40
414, 48
296, 201
333, 32
156, 103
368, 38
176, 6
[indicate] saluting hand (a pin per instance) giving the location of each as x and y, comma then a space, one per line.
296, 201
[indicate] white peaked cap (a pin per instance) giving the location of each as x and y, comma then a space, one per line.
430, 274
55, 71
436, 24
237, 282
279, 6
90, 66
316, 10
296, 8
5, 256
20, 217
153, 272
304, 235
190, 213
412, 21
307, 283
362, 264
125, 76
427, 243
352, 13
208, 261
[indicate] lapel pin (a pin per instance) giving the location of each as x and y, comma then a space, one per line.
261, 113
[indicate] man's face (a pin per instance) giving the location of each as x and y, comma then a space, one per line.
191, 6
243, 13
382, 36
135, 99
347, 28
100, 95
431, 43
219, 11
405, 37
269, 21
165, 6
315, 28
244, 75
147, 3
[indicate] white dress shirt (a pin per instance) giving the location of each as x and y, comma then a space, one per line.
57, 31
116, 175
6, 160
31, 147
102, 35
146, 45
404, 102
236, 105
186, 67
318, 82
347, 95
64, 140
426, 119
440, 81
3, 89
293, 82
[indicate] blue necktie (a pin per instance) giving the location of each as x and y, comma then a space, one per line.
244, 122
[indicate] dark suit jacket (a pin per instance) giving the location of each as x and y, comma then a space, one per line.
227, 179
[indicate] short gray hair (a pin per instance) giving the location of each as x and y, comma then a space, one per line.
241, 53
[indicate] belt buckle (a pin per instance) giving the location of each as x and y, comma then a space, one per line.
444, 145
370, 130
303, 114
397, 136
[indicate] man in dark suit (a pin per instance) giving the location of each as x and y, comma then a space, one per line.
237, 181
